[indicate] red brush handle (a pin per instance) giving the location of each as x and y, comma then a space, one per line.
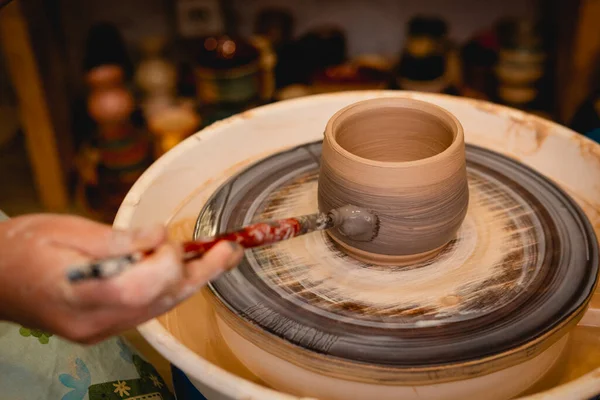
255, 235
259, 234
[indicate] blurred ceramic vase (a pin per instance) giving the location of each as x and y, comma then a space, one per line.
171, 126
156, 77
124, 148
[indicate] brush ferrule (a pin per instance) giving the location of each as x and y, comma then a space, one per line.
315, 222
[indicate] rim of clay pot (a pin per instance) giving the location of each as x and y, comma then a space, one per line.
435, 111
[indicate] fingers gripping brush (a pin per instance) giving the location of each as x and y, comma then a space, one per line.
353, 222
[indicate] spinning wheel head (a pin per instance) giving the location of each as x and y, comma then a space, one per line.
522, 265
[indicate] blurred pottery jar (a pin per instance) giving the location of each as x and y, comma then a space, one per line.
268, 61
172, 125
405, 160
124, 148
109, 103
227, 71
156, 77
368, 72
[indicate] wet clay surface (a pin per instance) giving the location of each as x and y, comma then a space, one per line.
506, 278
356, 223
405, 161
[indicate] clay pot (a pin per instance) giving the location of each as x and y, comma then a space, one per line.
403, 159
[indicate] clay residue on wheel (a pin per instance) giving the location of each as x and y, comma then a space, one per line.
492, 259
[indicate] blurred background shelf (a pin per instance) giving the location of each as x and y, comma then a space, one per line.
548, 52
33, 65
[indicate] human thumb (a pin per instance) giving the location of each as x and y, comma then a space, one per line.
221, 258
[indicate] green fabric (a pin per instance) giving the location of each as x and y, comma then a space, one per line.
35, 365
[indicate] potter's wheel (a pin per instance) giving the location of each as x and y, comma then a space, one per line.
520, 265
177, 187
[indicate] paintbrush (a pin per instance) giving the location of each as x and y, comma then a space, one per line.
354, 222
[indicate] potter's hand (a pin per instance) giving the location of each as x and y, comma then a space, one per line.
37, 250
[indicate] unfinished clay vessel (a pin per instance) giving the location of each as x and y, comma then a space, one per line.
403, 159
